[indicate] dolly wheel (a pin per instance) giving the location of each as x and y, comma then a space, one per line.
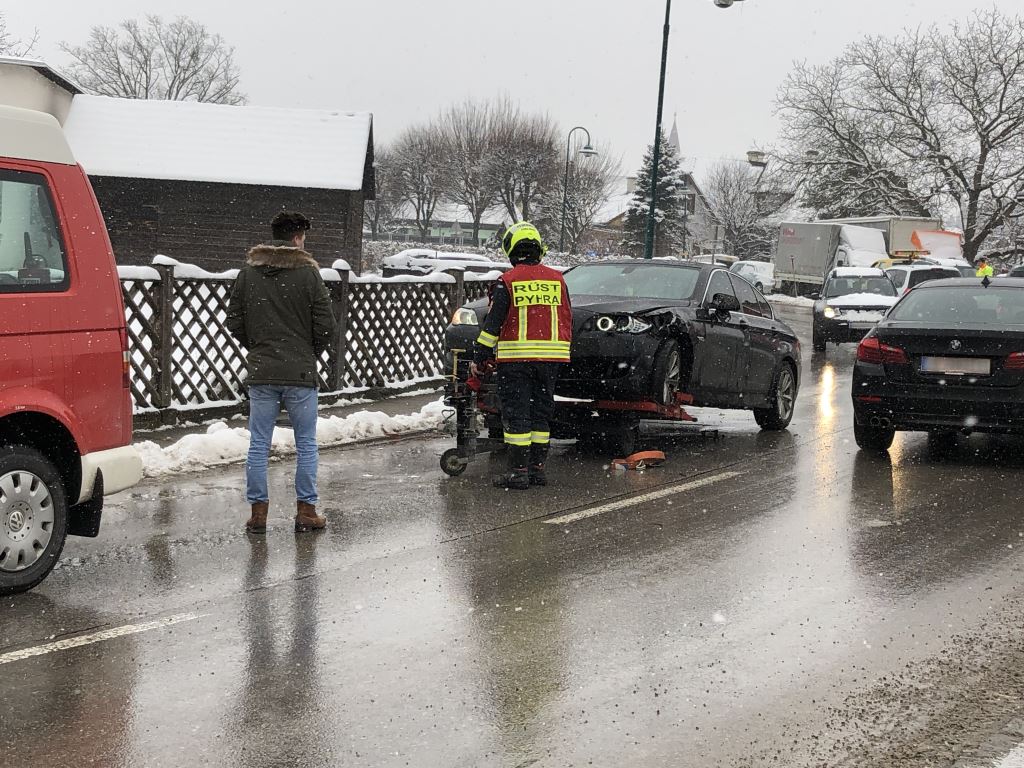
452, 464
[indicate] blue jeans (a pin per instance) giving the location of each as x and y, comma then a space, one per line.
265, 401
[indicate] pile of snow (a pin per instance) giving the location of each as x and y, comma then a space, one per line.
794, 301
222, 444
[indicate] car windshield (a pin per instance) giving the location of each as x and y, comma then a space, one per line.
962, 304
633, 281
845, 286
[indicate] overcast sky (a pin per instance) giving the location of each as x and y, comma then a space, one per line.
589, 62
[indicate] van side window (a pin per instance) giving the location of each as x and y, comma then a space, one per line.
32, 255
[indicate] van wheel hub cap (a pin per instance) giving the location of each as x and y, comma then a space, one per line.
26, 520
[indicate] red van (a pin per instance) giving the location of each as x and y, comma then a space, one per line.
65, 403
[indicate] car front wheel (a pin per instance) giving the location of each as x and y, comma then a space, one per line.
33, 518
870, 438
779, 414
668, 370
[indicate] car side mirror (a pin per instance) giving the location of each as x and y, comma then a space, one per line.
723, 304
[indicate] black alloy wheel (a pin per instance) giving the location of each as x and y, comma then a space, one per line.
668, 371
779, 414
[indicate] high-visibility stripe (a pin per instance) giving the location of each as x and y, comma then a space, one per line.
486, 339
524, 320
522, 440
554, 323
541, 438
540, 357
551, 345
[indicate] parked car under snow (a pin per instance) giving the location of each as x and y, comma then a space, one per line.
424, 261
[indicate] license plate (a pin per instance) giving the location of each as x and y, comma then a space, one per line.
964, 366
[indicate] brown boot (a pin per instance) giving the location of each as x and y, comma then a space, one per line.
306, 518
258, 522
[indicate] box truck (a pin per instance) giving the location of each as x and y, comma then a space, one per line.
807, 251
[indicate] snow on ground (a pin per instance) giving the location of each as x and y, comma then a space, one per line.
795, 301
221, 444
1013, 760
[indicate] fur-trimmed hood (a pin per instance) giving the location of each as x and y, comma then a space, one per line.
280, 256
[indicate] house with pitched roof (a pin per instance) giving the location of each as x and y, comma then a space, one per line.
199, 182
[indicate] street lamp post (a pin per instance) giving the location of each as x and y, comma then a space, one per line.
587, 151
649, 239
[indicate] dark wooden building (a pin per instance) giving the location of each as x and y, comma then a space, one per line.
200, 182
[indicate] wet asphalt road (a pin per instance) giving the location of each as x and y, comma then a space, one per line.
805, 605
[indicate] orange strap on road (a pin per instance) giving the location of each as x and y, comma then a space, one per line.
641, 460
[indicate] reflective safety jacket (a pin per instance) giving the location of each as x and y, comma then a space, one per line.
530, 318
985, 271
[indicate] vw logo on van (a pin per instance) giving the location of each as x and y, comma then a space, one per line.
955, 344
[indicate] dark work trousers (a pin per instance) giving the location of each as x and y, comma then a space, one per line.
527, 394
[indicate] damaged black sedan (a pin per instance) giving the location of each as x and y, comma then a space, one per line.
655, 330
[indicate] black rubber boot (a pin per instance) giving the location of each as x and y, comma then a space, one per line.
538, 457
518, 476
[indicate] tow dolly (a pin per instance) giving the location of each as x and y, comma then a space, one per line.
614, 426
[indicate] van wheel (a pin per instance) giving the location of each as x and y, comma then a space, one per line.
777, 416
33, 518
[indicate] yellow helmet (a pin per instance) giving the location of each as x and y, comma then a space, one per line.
520, 233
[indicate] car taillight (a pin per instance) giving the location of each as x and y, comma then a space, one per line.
126, 362
873, 351
1014, 362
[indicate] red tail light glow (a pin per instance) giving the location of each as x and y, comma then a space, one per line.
1014, 362
126, 363
873, 351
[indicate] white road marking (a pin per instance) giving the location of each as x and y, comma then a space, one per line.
96, 637
572, 517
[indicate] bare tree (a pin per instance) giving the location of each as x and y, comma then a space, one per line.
151, 59
15, 46
930, 120
467, 136
746, 204
381, 213
523, 159
419, 172
591, 183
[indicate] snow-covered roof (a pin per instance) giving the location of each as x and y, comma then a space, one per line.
448, 212
857, 272
188, 141
43, 69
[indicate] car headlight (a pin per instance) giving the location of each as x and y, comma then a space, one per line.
622, 324
464, 316
830, 312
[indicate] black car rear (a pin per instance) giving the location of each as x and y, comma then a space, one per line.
948, 358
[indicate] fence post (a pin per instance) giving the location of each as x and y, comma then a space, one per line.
340, 300
459, 292
165, 327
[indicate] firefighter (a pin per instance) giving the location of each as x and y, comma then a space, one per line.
984, 268
529, 331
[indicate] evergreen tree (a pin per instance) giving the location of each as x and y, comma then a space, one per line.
670, 211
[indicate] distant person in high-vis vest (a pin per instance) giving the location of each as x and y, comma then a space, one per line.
529, 330
984, 270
